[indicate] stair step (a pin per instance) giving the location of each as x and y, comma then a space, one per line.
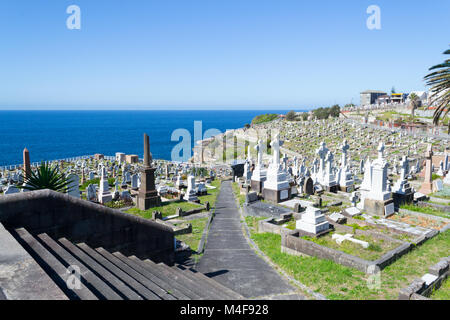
162, 274
115, 283
200, 289
161, 293
135, 285
219, 291
163, 283
91, 280
54, 268
230, 293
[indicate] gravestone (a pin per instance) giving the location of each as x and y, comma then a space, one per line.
313, 221
251, 197
276, 188
259, 175
308, 186
74, 186
104, 195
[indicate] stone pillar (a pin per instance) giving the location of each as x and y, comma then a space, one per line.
26, 163
427, 185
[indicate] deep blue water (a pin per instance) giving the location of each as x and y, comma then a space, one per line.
51, 135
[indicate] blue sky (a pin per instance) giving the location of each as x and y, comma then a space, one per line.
214, 54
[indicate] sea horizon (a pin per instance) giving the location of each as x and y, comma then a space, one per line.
59, 134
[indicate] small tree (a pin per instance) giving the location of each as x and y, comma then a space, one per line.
291, 115
414, 102
335, 111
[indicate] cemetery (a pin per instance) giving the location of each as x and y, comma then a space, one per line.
371, 209
332, 204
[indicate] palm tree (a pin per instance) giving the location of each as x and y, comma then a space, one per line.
46, 177
414, 102
439, 80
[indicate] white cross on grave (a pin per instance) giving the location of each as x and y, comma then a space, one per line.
340, 238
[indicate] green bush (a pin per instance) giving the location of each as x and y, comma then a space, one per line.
264, 118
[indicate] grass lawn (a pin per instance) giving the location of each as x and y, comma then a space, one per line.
169, 208
377, 247
193, 239
212, 193
237, 193
338, 282
443, 293
166, 209
426, 210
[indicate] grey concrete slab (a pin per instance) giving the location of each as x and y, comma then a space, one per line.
21, 278
229, 260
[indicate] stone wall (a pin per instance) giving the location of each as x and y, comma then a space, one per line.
421, 288
292, 243
60, 215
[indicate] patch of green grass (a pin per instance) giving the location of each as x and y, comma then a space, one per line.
237, 193
166, 209
426, 210
252, 222
338, 282
443, 293
95, 181
377, 247
212, 193
357, 226
264, 118
291, 224
193, 239
118, 204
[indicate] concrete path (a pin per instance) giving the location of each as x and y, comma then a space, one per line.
229, 259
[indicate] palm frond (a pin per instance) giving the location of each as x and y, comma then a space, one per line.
46, 177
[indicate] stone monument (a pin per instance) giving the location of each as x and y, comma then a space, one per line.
378, 200
148, 196
402, 191
259, 174
276, 188
427, 185
313, 221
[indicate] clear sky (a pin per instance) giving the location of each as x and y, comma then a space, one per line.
214, 53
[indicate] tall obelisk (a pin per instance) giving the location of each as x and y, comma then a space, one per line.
148, 196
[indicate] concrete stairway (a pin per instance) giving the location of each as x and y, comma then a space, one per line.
113, 276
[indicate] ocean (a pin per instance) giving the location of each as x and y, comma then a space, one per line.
51, 135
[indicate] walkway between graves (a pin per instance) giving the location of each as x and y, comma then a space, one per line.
229, 260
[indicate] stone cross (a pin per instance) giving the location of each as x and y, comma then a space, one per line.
405, 167
329, 159
258, 149
275, 144
322, 152
340, 238
344, 149
380, 150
